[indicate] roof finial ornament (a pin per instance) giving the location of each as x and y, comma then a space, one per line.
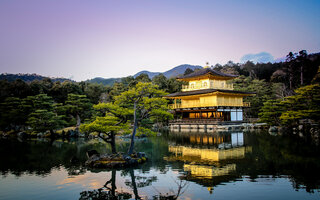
207, 65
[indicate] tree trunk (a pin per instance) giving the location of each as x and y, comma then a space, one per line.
113, 143
113, 183
78, 121
134, 185
111, 140
301, 75
134, 131
52, 134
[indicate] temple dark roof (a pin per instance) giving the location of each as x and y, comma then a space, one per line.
205, 71
205, 91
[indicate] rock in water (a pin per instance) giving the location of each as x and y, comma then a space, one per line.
116, 160
92, 152
22, 134
273, 129
92, 160
141, 154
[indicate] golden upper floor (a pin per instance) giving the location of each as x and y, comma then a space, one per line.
207, 84
207, 78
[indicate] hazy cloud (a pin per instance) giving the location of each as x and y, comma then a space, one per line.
262, 57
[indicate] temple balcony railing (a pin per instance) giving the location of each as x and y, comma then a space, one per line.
196, 121
186, 88
198, 105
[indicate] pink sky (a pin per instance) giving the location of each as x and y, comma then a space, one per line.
108, 38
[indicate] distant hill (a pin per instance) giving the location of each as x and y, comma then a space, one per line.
104, 81
28, 77
150, 74
174, 72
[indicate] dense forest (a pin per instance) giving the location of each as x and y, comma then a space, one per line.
28, 77
285, 93
43, 106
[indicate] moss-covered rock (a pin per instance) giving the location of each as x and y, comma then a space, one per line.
118, 160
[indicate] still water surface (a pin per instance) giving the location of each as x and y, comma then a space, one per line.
216, 166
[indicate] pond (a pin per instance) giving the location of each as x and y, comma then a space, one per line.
231, 165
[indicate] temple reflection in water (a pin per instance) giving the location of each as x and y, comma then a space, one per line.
210, 159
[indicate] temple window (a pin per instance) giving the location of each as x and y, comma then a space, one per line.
205, 84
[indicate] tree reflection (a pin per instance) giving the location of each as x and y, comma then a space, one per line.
182, 187
106, 191
109, 189
261, 155
136, 182
41, 157
293, 156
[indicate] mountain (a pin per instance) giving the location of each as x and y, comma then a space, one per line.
28, 77
174, 72
150, 74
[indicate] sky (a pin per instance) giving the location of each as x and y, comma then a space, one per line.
83, 39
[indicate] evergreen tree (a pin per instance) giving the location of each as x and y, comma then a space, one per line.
304, 105
42, 120
94, 91
11, 114
108, 125
146, 101
161, 81
79, 107
291, 68
263, 92
138, 104
43, 117
143, 78
271, 112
